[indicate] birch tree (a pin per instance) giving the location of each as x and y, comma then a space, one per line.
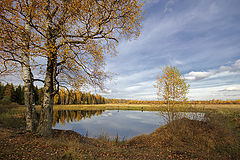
77, 35
15, 35
172, 88
72, 37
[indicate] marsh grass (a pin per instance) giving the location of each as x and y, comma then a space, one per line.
103, 136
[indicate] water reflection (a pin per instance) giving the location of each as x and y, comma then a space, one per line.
125, 124
67, 116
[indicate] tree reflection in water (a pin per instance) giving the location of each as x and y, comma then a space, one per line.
61, 116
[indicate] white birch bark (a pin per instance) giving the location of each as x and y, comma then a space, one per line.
31, 118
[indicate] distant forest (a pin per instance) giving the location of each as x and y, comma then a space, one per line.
10, 93
213, 101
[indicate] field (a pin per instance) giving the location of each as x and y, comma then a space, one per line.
218, 137
145, 107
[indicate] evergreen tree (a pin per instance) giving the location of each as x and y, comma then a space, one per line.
19, 95
2, 90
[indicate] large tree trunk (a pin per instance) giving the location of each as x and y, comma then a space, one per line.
46, 116
31, 118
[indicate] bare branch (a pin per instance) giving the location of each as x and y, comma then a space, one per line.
39, 80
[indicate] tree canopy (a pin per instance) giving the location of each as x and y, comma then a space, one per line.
171, 86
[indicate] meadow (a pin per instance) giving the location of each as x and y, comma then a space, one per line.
146, 107
215, 138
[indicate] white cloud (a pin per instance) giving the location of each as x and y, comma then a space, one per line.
132, 88
224, 92
168, 6
106, 91
221, 71
237, 64
192, 76
232, 88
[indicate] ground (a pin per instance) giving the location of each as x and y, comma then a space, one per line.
215, 138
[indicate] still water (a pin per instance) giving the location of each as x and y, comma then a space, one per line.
125, 124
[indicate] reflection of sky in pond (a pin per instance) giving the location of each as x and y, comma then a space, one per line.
126, 124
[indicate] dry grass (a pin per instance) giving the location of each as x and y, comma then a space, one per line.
145, 107
187, 139
108, 107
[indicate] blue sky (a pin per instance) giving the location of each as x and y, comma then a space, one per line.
200, 37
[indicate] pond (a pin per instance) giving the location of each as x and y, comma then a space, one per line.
110, 123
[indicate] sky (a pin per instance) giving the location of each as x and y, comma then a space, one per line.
199, 37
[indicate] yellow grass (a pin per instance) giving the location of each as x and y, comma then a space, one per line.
146, 107
107, 107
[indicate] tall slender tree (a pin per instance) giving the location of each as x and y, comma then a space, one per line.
15, 33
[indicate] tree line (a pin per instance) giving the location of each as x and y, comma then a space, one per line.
193, 102
10, 93
65, 97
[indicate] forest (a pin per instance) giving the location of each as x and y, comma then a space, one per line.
10, 93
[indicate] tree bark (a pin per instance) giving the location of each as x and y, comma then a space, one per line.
31, 118
46, 116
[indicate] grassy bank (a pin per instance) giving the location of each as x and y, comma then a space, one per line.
215, 138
